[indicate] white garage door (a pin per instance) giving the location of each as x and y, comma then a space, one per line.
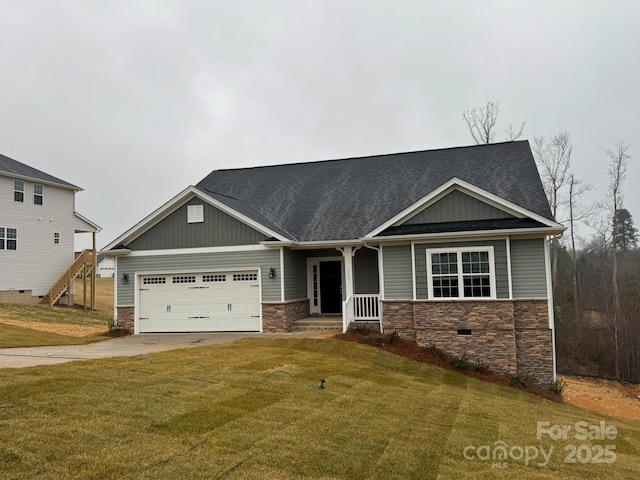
199, 302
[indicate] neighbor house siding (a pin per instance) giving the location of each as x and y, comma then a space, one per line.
500, 258
458, 207
397, 272
365, 271
38, 262
244, 260
219, 229
528, 268
295, 275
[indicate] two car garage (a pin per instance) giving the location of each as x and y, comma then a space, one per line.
199, 302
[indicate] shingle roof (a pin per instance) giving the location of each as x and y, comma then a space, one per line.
346, 199
9, 166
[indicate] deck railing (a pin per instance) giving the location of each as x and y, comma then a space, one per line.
63, 284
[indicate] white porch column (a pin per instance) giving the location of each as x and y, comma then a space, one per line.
347, 304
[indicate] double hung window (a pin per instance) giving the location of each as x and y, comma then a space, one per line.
461, 273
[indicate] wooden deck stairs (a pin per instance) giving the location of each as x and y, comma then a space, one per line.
85, 265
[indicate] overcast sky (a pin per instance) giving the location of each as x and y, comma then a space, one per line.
135, 100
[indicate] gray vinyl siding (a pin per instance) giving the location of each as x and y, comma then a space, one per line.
458, 207
500, 258
246, 260
398, 284
295, 274
324, 252
528, 270
365, 271
218, 230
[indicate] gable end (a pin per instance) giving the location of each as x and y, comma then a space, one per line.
218, 229
457, 206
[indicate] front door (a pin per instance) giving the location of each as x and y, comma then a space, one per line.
331, 287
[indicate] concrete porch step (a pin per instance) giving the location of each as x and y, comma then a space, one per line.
327, 324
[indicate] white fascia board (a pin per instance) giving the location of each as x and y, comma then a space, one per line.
176, 202
187, 251
469, 189
115, 253
464, 236
95, 227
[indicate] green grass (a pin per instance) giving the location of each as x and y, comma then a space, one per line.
210, 412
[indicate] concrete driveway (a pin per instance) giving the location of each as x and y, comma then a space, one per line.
130, 346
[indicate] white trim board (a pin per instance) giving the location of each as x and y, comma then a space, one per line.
174, 204
469, 189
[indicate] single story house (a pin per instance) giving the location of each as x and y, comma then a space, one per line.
447, 247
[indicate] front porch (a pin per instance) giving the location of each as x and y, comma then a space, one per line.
341, 284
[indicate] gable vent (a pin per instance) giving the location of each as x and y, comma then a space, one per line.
195, 213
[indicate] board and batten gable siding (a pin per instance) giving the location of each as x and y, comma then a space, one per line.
398, 284
457, 207
295, 275
500, 259
365, 271
528, 271
219, 229
38, 262
184, 263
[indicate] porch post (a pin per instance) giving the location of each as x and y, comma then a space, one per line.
347, 305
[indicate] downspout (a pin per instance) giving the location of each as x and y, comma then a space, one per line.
380, 280
547, 262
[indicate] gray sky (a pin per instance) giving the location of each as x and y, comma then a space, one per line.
135, 100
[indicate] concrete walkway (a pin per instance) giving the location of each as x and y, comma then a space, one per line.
130, 346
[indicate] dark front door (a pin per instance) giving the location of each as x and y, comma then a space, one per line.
331, 287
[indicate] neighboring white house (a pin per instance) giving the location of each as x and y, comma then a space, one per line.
106, 267
38, 222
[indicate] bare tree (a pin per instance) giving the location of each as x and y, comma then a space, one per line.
482, 123
617, 172
576, 188
554, 159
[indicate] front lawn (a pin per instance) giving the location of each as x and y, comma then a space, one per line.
253, 409
34, 325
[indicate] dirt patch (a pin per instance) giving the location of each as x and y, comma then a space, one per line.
59, 328
603, 396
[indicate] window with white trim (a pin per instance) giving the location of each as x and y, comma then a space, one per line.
18, 190
461, 273
8, 238
38, 194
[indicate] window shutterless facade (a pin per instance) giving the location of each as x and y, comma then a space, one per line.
8, 238
38, 194
461, 273
18, 190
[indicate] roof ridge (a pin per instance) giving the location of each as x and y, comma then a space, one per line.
363, 157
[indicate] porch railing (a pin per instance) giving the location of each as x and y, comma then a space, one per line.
360, 307
366, 307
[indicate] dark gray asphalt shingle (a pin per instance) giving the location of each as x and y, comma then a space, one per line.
346, 199
10, 167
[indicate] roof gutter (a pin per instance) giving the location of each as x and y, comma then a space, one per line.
120, 252
465, 235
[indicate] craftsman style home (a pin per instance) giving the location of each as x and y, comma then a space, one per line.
38, 223
447, 247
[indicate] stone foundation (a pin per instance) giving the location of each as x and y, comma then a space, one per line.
125, 318
19, 296
279, 317
504, 335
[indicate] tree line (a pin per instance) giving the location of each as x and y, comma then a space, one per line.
596, 280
